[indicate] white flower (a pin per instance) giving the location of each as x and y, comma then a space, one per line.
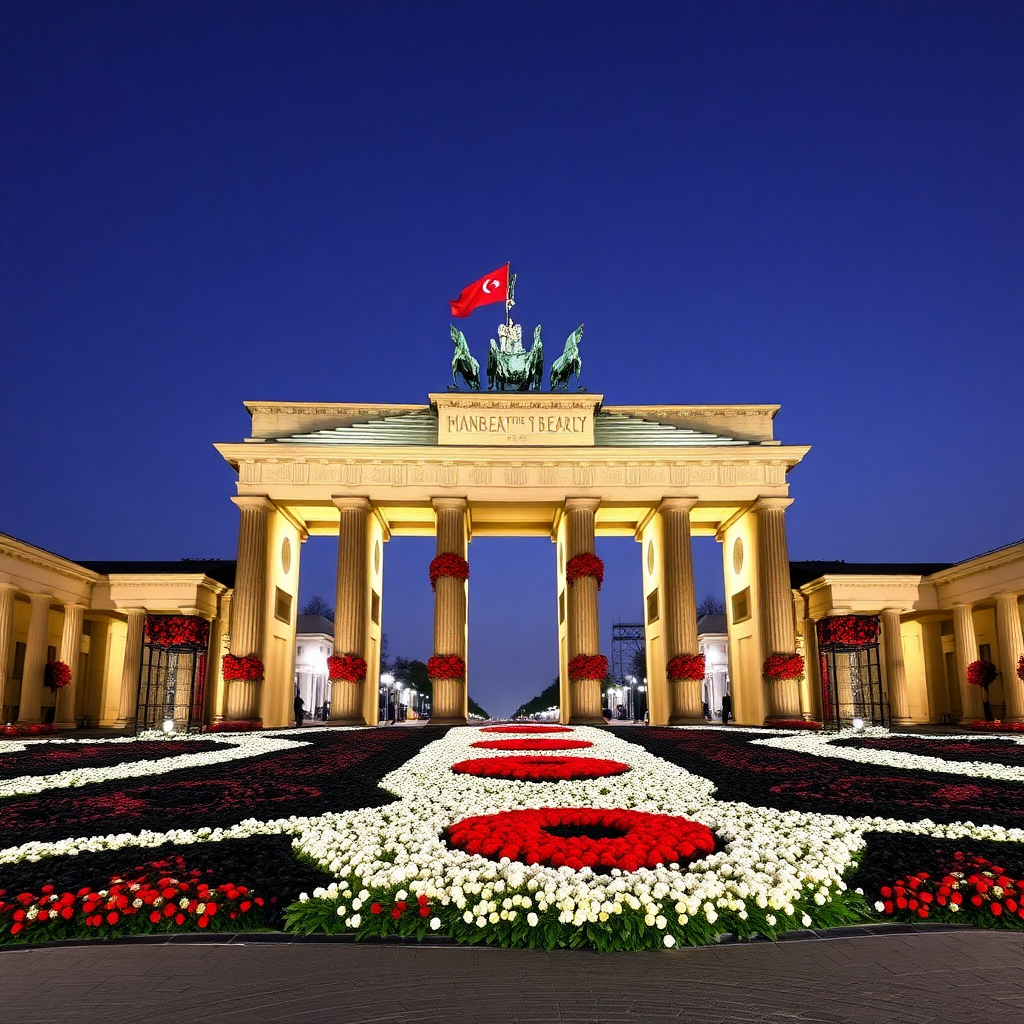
532, 919
669, 941
435, 923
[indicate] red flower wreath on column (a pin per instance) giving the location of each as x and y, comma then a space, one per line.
446, 666
586, 564
588, 666
1020, 668
981, 673
347, 668
686, 667
57, 675
783, 666
248, 668
448, 564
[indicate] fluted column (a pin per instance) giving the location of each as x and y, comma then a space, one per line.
1011, 647
685, 705
350, 607
7, 592
940, 700
966, 652
249, 602
776, 598
30, 708
128, 707
448, 704
583, 635
70, 648
895, 670
810, 702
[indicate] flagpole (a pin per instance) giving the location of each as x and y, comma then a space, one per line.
508, 286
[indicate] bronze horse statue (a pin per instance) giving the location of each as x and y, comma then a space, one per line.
463, 362
569, 362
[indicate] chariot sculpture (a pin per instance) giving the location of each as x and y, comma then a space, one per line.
510, 367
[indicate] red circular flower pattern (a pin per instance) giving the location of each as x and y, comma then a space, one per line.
527, 727
585, 564
540, 769
448, 564
630, 839
532, 744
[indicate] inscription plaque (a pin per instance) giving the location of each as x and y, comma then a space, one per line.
516, 419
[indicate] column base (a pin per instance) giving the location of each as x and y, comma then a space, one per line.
688, 720
902, 722
347, 720
453, 720
123, 723
587, 720
65, 725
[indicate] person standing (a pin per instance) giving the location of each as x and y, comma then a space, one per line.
726, 708
299, 709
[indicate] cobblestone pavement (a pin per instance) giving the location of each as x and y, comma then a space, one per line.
952, 977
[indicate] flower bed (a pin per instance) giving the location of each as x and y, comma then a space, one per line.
997, 726
796, 723
370, 832
234, 725
26, 729
527, 727
540, 769
584, 838
532, 744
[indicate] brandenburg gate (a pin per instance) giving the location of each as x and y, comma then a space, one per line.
474, 464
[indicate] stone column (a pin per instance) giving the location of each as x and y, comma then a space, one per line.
966, 652
249, 602
30, 708
811, 701
680, 604
1011, 647
128, 707
939, 696
350, 606
782, 697
70, 649
448, 705
895, 670
7, 592
582, 627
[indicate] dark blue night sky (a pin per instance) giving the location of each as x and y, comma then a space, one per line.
812, 204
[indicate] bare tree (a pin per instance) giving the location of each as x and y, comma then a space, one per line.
710, 605
318, 605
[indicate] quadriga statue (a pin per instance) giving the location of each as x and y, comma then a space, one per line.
510, 367
463, 362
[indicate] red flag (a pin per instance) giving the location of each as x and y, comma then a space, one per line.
492, 288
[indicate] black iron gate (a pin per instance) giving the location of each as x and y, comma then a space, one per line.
172, 677
851, 672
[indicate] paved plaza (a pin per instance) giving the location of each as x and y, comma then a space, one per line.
954, 977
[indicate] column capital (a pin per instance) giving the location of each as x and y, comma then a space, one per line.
449, 504
764, 504
1008, 595
37, 597
353, 501
253, 501
582, 504
135, 612
677, 504
73, 604
7, 585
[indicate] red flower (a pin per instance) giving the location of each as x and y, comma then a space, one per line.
686, 666
585, 564
448, 564
783, 666
1020, 668
528, 727
248, 668
57, 675
177, 631
998, 726
981, 673
643, 839
848, 631
446, 666
20, 729
375, 908
532, 744
346, 667
588, 666
540, 769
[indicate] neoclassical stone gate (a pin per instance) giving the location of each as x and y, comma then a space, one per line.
562, 466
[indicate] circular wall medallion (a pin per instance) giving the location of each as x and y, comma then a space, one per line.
737, 555
286, 555
650, 557
376, 556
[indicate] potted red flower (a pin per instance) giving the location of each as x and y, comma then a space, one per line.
57, 675
983, 673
